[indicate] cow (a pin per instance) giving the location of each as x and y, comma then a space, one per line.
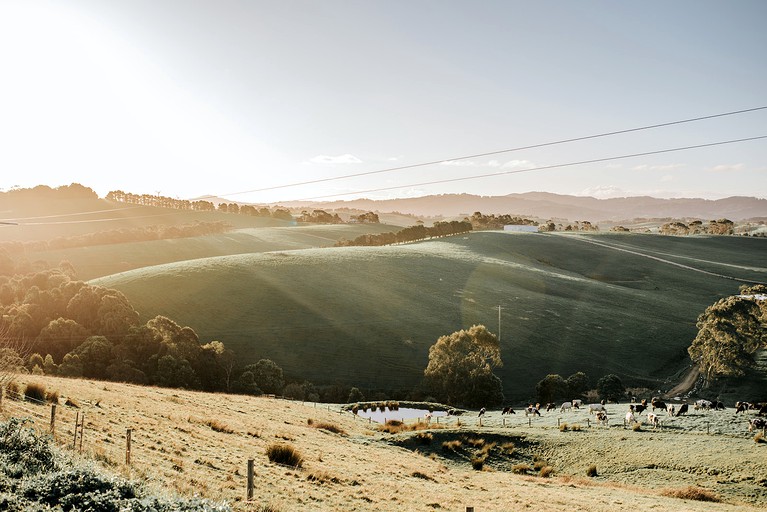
454, 412
756, 424
742, 407
658, 403
763, 410
481, 412
653, 419
638, 408
566, 406
550, 407
703, 404
719, 405
532, 409
630, 418
577, 404
682, 409
602, 418
507, 410
427, 417
670, 408
593, 408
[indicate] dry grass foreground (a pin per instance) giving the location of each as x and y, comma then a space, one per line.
198, 444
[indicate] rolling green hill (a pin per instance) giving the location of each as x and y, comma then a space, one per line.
600, 303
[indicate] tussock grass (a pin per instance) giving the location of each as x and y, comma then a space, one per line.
563, 427
637, 427
219, 426
423, 476
424, 438
592, 471
452, 446
322, 477
759, 438
539, 464
478, 463
326, 425
691, 492
396, 426
285, 454
13, 391
546, 471
35, 392
52, 397
507, 448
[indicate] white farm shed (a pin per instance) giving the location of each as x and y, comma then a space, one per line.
521, 228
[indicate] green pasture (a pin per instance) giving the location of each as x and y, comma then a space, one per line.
366, 316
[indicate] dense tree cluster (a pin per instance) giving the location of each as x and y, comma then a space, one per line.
697, 227
319, 217
582, 225
729, 334
20, 196
409, 234
480, 221
460, 369
554, 387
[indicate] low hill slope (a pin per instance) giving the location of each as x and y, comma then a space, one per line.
366, 316
102, 260
199, 444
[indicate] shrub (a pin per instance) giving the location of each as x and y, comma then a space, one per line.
592, 470
285, 454
521, 469
637, 427
507, 448
219, 426
546, 471
13, 391
759, 437
691, 492
563, 427
478, 463
35, 392
538, 465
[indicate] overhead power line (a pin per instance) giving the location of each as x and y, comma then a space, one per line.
532, 169
490, 153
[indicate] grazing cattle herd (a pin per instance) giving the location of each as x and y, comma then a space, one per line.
654, 409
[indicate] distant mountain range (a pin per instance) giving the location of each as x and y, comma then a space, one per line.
544, 205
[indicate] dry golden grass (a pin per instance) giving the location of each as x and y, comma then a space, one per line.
360, 470
691, 493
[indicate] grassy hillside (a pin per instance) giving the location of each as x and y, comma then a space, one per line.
198, 444
102, 260
606, 303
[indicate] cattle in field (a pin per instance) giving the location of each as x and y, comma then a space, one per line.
682, 409
594, 408
481, 412
637, 408
507, 410
718, 405
630, 418
670, 408
756, 424
602, 418
532, 409
657, 403
454, 412
742, 407
703, 404
653, 419
566, 406
550, 407
763, 410
577, 404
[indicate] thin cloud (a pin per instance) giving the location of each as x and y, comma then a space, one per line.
666, 167
727, 168
458, 163
603, 192
340, 159
512, 164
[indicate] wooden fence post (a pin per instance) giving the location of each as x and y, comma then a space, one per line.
127, 446
53, 418
77, 423
250, 479
469, 509
82, 429
529, 422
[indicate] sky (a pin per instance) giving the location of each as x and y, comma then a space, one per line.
250, 100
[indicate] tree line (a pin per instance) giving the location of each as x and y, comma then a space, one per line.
409, 234
697, 227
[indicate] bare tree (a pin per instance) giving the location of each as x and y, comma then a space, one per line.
13, 353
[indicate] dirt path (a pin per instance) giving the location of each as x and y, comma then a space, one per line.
686, 384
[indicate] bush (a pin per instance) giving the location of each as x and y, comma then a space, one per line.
478, 463
691, 492
759, 437
592, 470
546, 471
452, 446
35, 392
281, 453
52, 397
13, 391
521, 469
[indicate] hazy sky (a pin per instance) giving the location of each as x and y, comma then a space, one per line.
188, 98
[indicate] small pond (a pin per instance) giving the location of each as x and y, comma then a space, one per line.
403, 413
